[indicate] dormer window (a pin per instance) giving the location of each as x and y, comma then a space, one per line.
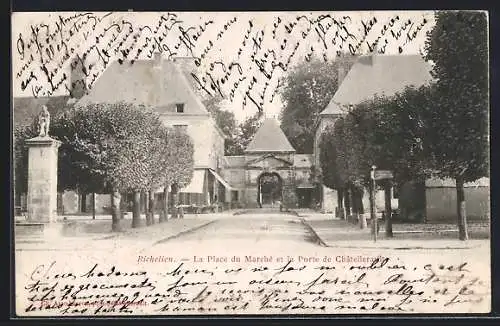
179, 108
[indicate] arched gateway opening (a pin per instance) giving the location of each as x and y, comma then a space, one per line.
269, 188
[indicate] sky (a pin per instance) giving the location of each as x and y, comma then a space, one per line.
241, 55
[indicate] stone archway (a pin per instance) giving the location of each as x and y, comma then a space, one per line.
269, 188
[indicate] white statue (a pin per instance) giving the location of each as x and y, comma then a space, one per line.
44, 122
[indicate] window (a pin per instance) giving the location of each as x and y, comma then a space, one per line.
182, 128
179, 107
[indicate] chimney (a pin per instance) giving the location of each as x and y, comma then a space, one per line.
375, 53
345, 62
157, 80
78, 85
341, 73
186, 64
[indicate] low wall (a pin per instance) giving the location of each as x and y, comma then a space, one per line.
329, 200
71, 203
442, 203
27, 228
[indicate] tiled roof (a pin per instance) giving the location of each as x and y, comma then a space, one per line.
159, 84
269, 138
381, 75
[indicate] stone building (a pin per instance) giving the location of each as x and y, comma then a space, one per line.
373, 75
369, 76
270, 171
163, 85
160, 84
328, 197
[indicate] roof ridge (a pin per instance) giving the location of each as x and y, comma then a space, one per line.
153, 82
384, 74
188, 85
269, 138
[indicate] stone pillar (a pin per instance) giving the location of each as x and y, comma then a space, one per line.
42, 179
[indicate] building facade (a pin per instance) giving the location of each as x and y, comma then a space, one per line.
373, 75
370, 75
164, 86
270, 171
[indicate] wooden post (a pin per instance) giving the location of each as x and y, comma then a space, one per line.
372, 205
359, 209
388, 209
260, 194
461, 211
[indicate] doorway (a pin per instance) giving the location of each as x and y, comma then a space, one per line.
305, 197
269, 189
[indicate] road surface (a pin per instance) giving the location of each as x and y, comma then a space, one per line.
251, 228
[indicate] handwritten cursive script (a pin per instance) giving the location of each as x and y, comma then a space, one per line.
266, 285
237, 56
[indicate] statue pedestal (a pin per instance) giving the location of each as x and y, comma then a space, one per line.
42, 179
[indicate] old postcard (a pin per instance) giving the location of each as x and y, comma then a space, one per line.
237, 163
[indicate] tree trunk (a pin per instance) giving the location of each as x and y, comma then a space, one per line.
84, 203
115, 211
151, 207
361, 207
143, 202
340, 199
93, 205
388, 210
175, 200
461, 212
358, 200
347, 201
174, 204
146, 207
164, 213
352, 201
122, 214
136, 210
